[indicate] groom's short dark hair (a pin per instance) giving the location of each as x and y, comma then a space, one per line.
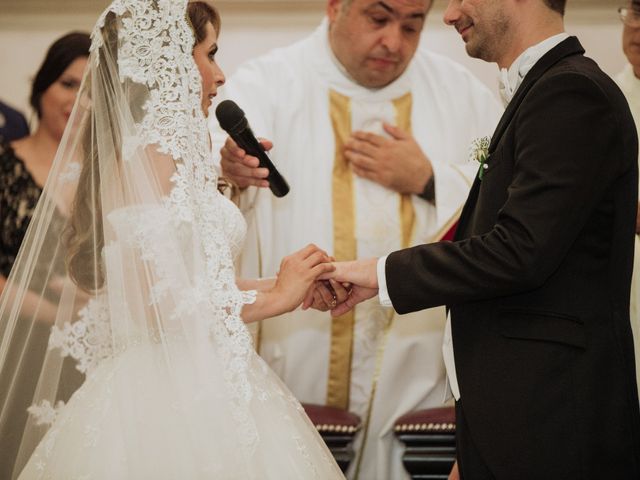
556, 5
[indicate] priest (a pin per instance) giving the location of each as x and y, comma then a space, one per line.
372, 131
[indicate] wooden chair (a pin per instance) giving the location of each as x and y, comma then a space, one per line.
430, 439
337, 428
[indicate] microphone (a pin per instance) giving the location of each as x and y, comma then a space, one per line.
233, 121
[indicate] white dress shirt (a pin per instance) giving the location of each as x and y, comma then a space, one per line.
510, 79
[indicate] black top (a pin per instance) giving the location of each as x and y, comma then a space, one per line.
19, 195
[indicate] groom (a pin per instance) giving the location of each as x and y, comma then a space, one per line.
538, 350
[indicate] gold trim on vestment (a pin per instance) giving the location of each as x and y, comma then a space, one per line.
344, 248
403, 106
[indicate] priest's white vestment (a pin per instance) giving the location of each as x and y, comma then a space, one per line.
302, 99
630, 86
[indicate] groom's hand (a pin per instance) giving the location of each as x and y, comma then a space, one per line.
358, 295
362, 274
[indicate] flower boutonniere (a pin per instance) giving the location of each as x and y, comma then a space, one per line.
479, 152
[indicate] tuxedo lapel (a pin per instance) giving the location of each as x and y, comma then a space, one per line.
570, 46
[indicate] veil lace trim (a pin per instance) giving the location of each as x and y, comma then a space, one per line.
155, 50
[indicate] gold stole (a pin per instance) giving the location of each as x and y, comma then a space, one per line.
344, 239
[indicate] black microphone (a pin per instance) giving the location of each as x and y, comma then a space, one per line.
233, 121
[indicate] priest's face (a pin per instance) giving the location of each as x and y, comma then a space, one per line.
486, 26
376, 40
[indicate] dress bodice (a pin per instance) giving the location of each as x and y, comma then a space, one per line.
237, 226
127, 223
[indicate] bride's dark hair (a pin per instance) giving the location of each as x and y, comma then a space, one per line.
199, 13
84, 235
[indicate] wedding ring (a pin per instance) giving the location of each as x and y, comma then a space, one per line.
334, 302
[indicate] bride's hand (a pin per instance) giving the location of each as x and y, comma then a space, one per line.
297, 274
325, 295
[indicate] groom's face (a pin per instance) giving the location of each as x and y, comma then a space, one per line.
484, 25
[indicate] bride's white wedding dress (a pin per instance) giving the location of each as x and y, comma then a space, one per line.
150, 312
150, 412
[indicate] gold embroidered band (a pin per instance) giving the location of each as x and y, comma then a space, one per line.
344, 245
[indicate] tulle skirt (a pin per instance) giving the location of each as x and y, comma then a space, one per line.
138, 416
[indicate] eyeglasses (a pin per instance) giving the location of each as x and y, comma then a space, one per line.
630, 16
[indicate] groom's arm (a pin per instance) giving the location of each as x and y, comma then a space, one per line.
563, 163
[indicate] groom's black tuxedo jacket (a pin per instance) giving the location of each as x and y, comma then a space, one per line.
538, 281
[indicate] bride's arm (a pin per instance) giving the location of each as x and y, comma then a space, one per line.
268, 304
258, 284
297, 274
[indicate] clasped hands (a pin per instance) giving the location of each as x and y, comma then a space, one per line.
342, 288
313, 279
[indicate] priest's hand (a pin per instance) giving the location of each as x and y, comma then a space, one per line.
241, 169
396, 163
362, 275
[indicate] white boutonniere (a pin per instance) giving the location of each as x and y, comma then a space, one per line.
479, 152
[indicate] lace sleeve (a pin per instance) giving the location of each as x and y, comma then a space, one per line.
249, 297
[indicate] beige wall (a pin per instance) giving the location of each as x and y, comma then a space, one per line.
250, 30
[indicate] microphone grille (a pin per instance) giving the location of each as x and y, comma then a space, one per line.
229, 114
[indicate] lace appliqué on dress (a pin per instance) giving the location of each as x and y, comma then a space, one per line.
45, 413
88, 340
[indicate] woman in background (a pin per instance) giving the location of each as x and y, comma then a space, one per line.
24, 167
25, 163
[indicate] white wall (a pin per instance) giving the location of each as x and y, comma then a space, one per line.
251, 30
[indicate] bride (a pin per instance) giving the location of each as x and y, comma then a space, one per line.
123, 348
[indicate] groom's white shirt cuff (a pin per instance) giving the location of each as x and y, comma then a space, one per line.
383, 294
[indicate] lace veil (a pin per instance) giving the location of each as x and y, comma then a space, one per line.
130, 248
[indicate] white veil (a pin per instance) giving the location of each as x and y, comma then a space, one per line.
128, 262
